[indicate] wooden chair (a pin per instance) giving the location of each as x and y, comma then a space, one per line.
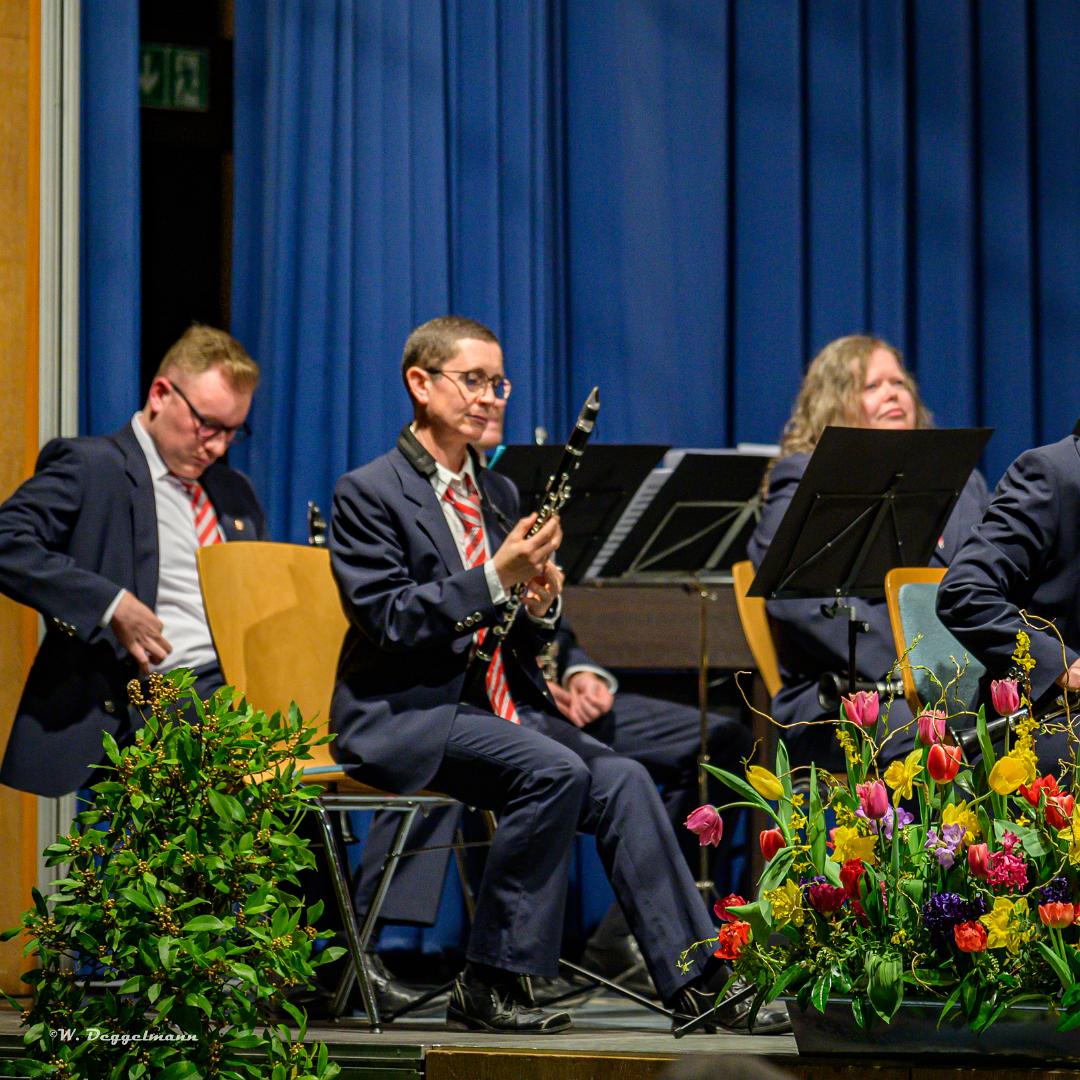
911, 596
277, 624
755, 626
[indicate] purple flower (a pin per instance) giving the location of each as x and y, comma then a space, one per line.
946, 845
899, 816
1056, 891
943, 911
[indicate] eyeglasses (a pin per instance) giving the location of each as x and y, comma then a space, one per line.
207, 429
476, 382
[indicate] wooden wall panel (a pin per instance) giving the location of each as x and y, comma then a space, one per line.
19, 82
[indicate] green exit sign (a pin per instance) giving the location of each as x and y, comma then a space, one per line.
174, 77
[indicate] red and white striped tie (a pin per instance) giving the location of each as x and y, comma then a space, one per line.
206, 522
468, 511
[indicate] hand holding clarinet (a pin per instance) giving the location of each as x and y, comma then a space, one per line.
523, 561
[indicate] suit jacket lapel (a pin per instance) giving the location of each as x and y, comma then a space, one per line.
429, 516
234, 528
144, 530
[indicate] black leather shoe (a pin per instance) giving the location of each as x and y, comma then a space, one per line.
620, 961
507, 1009
393, 998
733, 1013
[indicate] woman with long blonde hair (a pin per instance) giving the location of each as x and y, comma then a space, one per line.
855, 381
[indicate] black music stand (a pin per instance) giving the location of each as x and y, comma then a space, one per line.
696, 526
868, 501
698, 523
601, 489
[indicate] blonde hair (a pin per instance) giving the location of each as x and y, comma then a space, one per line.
201, 348
831, 390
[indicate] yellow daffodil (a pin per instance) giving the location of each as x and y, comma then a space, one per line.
848, 844
765, 783
787, 904
1071, 835
1007, 924
1008, 774
961, 814
899, 775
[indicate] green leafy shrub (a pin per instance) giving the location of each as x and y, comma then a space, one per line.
181, 889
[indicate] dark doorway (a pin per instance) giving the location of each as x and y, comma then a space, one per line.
186, 161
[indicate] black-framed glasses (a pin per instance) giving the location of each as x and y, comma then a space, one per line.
476, 382
208, 429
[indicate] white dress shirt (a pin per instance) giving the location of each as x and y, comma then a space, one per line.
179, 598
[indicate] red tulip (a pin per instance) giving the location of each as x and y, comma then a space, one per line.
943, 762
850, 873
732, 939
1005, 696
706, 822
1059, 810
1038, 786
771, 841
720, 908
826, 898
1058, 915
931, 726
862, 707
970, 936
979, 860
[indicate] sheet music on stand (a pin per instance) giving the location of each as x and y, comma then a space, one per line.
692, 517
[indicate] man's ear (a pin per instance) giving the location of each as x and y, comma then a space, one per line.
418, 382
159, 391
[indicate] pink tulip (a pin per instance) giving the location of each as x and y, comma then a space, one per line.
943, 762
861, 708
706, 822
979, 860
873, 799
771, 841
1005, 696
931, 726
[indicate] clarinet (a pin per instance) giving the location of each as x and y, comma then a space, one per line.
555, 495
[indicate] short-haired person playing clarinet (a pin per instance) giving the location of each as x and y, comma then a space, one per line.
426, 548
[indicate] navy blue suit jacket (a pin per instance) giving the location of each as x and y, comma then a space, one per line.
412, 610
83, 526
808, 644
1025, 553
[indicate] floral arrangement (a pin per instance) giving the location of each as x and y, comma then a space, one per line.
931, 877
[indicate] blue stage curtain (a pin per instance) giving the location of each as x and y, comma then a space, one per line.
393, 162
109, 216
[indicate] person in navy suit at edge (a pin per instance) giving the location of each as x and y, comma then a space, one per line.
102, 539
426, 546
855, 381
663, 735
1025, 555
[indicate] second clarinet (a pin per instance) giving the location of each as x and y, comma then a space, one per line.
555, 495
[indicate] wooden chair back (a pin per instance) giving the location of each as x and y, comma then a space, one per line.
277, 624
755, 626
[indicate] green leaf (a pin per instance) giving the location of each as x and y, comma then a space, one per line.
759, 915
884, 984
1070, 1023
111, 749
1026, 834
227, 807
203, 923
740, 787
1061, 969
140, 900
778, 868
248, 1041
819, 996
181, 1070
199, 1001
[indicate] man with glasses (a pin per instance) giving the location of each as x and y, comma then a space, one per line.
102, 541
426, 546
